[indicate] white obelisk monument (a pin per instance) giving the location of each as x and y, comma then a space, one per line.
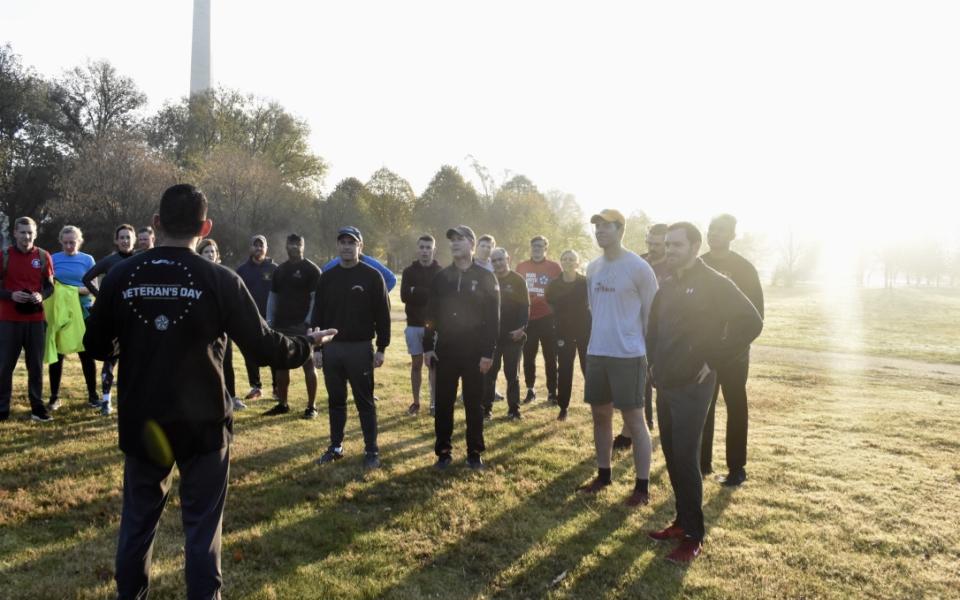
200, 80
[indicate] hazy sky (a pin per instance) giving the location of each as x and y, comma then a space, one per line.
830, 112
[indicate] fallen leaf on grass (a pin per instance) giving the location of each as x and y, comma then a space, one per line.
558, 579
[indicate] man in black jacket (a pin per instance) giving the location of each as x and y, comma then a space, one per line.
463, 311
352, 298
414, 291
514, 316
732, 378
168, 312
699, 320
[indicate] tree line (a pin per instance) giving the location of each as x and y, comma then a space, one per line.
81, 149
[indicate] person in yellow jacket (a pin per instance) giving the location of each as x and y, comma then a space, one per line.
69, 267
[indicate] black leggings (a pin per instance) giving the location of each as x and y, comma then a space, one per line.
89, 367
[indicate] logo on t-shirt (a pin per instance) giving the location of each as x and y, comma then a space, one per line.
161, 293
35, 263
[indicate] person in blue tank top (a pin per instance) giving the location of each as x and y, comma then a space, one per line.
69, 267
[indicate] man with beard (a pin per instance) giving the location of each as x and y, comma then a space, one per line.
700, 321
257, 274
732, 379
514, 314
289, 306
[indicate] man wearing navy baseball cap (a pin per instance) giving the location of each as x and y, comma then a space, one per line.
354, 295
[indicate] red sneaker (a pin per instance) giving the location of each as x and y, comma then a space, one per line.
685, 552
674, 532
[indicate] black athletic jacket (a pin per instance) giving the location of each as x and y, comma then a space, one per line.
463, 310
102, 267
166, 311
415, 289
699, 318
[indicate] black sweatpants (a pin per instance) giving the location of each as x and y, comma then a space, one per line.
203, 493
507, 356
732, 380
568, 349
451, 370
541, 332
253, 374
350, 362
681, 412
89, 367
17, 336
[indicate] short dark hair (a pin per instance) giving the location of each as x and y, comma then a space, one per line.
487, 238
126, 226
693, 234
295, 238
183, 209
659, 229
145, 229
427, 238
540, 238
728, 219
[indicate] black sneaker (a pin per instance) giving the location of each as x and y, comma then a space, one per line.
733, 478
54, 404
310, 413
514, 416
531, 396
622, 442
278, 409
329, 456
443, 461
94, 402
552, 399
371, 460
43, 417
475, 462
563, 415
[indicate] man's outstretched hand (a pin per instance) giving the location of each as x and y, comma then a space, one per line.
320, 336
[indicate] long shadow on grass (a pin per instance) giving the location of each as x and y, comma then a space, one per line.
467, 567
659, 578
340, 519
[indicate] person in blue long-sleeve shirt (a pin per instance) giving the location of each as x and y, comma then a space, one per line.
257, 273
388, 277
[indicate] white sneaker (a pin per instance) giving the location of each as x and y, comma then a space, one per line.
238, 404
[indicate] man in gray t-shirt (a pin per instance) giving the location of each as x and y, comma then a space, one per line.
620, 289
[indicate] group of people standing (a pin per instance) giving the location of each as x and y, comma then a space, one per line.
47, 330
669, 320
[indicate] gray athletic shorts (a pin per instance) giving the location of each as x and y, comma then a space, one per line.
618, 380
414, 337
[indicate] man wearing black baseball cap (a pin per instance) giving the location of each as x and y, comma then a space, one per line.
353, 295
463, 310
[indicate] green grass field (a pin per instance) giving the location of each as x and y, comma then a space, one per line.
854, 490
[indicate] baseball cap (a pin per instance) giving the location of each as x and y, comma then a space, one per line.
262, 238
608, 215
461, 230
351, 231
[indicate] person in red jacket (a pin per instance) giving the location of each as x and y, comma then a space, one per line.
27, 279
538, 272
414, 292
